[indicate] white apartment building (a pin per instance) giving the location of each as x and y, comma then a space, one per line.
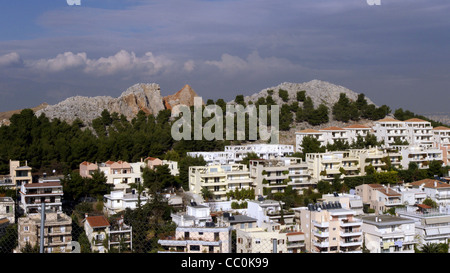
388, 234
436, 190
268, 212
118, 201
271, 176
347, 201
431, 225
264, 151
329, 228
48, 191
331, 134
373, 156
324, 166
195, 216
235, 153
219, 179
414, 131
215, 158
420, 155
441, 135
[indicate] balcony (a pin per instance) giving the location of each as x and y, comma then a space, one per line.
321, 244
349, 243
321, 225
321, 234
351, 223
348, 233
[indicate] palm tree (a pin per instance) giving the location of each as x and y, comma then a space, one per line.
430, 248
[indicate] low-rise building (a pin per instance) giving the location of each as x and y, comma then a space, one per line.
329, 228
48, 191
207, 239
104, 236
436, 190
219, 179
259, 240
379, 197
7, 209
271, 176
195, 215
431, 225
269, 211
19, 173
118, 201
57, 232
388, 234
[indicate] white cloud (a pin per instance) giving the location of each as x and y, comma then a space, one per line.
9, 59
61, 62
189, 66
122, 61
254, 62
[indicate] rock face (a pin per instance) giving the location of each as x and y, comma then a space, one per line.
145, 97
183, 97
319, 91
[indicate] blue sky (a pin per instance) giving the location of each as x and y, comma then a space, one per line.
396, 53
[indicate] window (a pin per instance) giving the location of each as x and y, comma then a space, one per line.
194, 248
26, 228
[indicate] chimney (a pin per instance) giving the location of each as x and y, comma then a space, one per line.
86, 215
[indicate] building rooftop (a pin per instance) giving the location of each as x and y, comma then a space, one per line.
386, 220
430, 183
97, 221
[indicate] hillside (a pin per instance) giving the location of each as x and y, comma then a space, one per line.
5, 116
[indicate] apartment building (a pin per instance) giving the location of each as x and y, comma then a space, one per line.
195, 215
263, 151
347, 201
104, 236
332, 134
271, 176
431, 225
357, 130
207, 239
420, 155
7, 209
57, 232
119, 174
375, 156
269, 211
219, 179
259, 240
19, 173
420, 132
118, 201
441, 135
390, 130
388, 234
329, 228
379, 197
6, 182
237, 221
324, 166
233, 154
48, 191
436, 190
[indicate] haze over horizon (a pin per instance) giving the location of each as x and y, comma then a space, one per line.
396, 53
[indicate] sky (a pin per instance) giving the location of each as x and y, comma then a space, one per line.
397, 53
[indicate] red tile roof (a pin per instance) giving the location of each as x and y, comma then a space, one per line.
415, 120
333, 128
441, 128
97, 221
389, 120
357, 126
40, 185
308, 131
430, 183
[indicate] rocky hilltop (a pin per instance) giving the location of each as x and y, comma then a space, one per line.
142, 96
319, 91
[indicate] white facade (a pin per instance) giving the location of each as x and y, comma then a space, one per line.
118, 201
219, 179
420, 155
388, 234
